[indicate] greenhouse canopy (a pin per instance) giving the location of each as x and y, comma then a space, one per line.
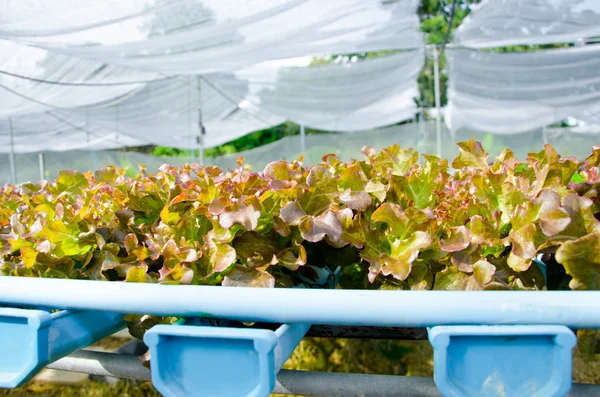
514, 92
146, 72
510, 91
495, 23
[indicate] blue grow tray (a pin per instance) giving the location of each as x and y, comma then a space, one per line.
502, 361
31, 339
218, 361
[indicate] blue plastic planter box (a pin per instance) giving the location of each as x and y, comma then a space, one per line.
188, 360
502, 360
31, 339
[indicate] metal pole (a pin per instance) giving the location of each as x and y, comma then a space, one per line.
545, 135
201, 130
302, 383
103, 364
424, 126
189, 115
302, 140
438, 116
340, 331
330, 384
42, 165
201, 145
13, 167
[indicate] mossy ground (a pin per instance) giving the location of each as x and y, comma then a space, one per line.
90, 389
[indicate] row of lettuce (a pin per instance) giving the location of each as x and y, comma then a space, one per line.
392, 220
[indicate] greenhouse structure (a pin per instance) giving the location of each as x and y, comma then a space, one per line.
487, 245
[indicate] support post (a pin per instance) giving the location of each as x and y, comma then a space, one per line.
424, 126
200, 142
545, 135
189, 125
42, 166
201, 130
302, 140
438, 117
13, 167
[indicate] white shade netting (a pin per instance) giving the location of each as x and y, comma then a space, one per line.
354, 96
357, 95
507, 93
125, 73
164, 113
500, 23
203, 36
33, 80
168, 112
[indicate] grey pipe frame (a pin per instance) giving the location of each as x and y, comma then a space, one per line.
302, 383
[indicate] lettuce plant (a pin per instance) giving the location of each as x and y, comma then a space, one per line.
390, 221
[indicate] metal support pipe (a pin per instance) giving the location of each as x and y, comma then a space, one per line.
201, 146
201, 129
302, 140
424, 125
353, 332
580, 309
303, 383
393, 333
333, 331
329, 384
103, 364
438, 116
420, 120
189, 112
42, 166
13, 166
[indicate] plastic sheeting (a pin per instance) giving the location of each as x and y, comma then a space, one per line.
28, 164
507, 93
421, 136
353, 96
499, 23
204, 36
